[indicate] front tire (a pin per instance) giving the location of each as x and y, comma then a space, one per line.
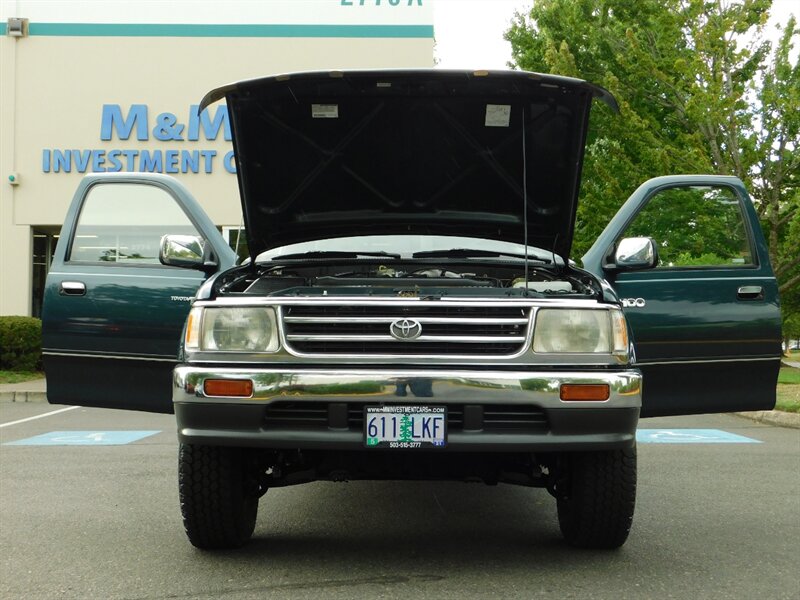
596, 502
218, 509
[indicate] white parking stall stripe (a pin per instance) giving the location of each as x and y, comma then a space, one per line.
52, 412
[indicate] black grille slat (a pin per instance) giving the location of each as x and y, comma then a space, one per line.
314, 416
513, 418
306, 415
430, 329
379, 310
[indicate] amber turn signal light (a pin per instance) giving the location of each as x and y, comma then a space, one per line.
237, 388
583, 392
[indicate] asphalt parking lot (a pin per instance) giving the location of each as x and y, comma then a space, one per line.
714, 519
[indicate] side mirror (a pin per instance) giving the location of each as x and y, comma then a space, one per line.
635, 253
187, 251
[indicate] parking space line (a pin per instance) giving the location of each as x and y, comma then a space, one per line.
48, 414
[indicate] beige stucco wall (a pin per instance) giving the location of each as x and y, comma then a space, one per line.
52, 90
15, 238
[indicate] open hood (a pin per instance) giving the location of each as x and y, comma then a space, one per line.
331, 154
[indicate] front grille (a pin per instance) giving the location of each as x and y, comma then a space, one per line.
443, 330
322, 416
297, 415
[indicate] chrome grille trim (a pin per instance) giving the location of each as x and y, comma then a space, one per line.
456, 339
459, 329
423, 320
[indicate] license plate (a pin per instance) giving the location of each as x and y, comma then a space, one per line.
405, 426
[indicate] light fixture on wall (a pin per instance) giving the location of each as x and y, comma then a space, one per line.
17, 27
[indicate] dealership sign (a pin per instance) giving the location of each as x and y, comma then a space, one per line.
137, 122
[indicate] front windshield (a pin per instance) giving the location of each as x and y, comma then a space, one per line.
405, 245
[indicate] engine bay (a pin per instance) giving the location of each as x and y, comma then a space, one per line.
410, 279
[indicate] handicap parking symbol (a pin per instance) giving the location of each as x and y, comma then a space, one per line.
691, 436
84, 438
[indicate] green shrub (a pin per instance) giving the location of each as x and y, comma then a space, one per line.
20, 344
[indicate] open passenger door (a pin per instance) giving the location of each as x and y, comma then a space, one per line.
705, 319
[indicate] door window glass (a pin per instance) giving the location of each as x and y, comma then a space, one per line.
697, 226
124, 222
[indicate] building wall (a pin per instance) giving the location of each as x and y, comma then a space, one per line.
118, 73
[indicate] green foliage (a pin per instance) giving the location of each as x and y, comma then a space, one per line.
363, 387
790, 315
20, 343
692, 260
791, 327
776, 139
695, 97
694, 226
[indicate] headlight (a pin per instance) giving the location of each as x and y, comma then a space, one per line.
232, 329
560, 330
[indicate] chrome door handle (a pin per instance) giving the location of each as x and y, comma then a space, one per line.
72, 288
750, 292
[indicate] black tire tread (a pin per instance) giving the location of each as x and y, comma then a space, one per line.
217, 512
601, 497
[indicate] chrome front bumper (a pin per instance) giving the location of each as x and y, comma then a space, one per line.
204, 419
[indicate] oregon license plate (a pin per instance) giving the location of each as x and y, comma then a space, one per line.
405, 426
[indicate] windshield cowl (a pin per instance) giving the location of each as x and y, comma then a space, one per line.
407, 247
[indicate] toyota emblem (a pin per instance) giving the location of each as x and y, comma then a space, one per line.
405, 329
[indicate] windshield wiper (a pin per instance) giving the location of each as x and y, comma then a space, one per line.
336, 254
473, 253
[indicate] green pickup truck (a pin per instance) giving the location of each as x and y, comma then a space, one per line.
408, 309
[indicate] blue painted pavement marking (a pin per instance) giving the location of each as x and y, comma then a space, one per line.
118, 438
83, 438
691, 436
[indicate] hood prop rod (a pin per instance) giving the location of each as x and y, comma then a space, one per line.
525, 197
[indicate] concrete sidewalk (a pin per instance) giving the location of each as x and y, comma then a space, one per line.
27, 391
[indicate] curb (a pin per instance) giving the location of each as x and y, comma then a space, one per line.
772, 417
23, 396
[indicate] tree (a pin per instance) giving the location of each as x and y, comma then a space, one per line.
776, 142
406, 434
790, 313
700, 91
